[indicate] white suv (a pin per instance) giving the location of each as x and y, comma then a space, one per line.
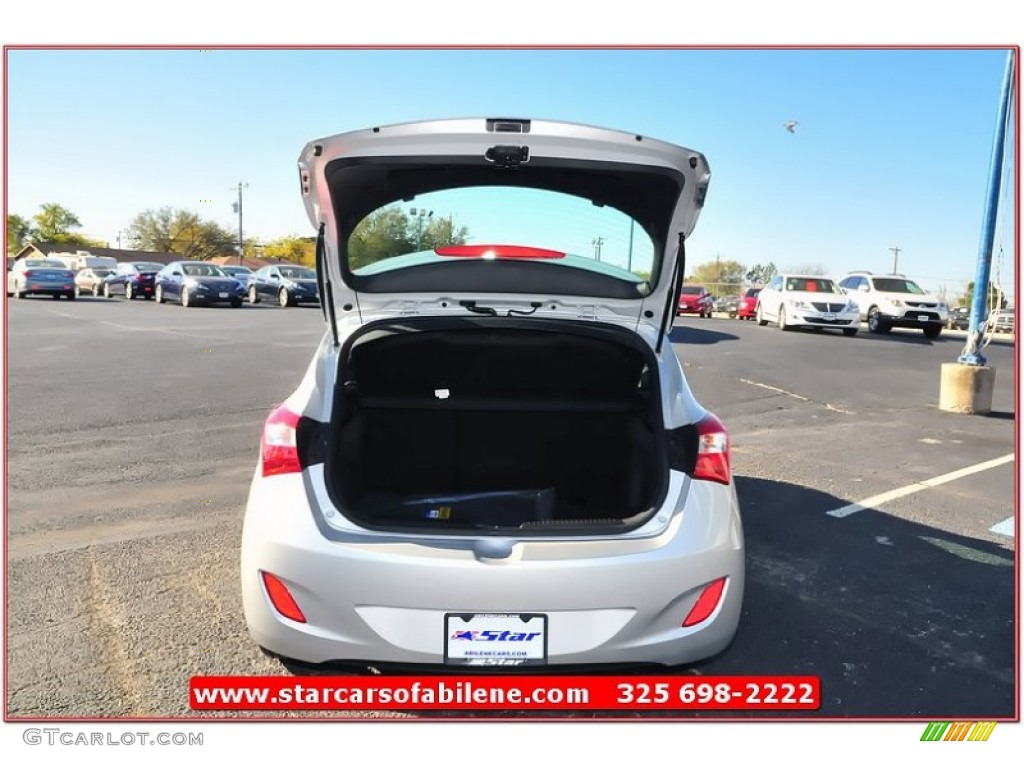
893, 301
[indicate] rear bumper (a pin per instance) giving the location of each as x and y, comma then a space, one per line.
44, 289
382, 598
815, 319
212, 297
914, 319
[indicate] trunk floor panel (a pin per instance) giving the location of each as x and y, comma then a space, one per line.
496, 423
524, 467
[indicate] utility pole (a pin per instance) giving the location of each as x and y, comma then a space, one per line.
597, 242
238, 209
895, 259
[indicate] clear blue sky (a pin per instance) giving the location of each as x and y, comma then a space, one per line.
892, 146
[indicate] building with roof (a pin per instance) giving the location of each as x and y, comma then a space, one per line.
62, 250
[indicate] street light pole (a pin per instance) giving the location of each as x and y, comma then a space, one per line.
420, 214
238, 209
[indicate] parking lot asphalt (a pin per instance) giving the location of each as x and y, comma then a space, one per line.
133, 429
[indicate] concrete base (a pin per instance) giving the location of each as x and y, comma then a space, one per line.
966, 388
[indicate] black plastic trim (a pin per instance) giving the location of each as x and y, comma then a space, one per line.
341, 412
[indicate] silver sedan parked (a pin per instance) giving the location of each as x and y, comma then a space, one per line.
90, 280
40, 277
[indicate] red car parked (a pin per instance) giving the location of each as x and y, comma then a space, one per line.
748, 305
695, 300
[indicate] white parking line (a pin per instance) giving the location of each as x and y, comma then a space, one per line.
795, 396
776, 389
906, 490
1004, 528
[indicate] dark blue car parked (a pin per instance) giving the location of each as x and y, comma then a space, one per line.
286, 284
197, 282
132, 279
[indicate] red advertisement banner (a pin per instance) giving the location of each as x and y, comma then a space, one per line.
520, 692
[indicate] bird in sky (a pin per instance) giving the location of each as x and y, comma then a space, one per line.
790, 125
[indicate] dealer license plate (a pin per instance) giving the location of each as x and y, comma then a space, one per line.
495, 639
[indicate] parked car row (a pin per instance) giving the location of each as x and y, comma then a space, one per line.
185, 282
884, 302
999, 320
696, 300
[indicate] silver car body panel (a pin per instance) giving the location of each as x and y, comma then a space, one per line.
471, 138
381, 596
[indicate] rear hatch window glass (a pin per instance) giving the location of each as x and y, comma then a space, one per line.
513, 239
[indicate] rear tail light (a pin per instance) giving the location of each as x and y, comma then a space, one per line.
29, 273
712, 451
706, 603
281, 598
278, 449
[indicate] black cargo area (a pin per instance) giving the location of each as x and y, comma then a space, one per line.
481, 425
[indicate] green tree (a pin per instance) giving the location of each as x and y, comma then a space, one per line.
442, 231
182, 232
808, 269
996, 298
391, 232
761, 274
301, 250
18, 231
722, 277
53, 224
382, 234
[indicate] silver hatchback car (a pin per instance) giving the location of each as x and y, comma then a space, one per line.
494, 458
